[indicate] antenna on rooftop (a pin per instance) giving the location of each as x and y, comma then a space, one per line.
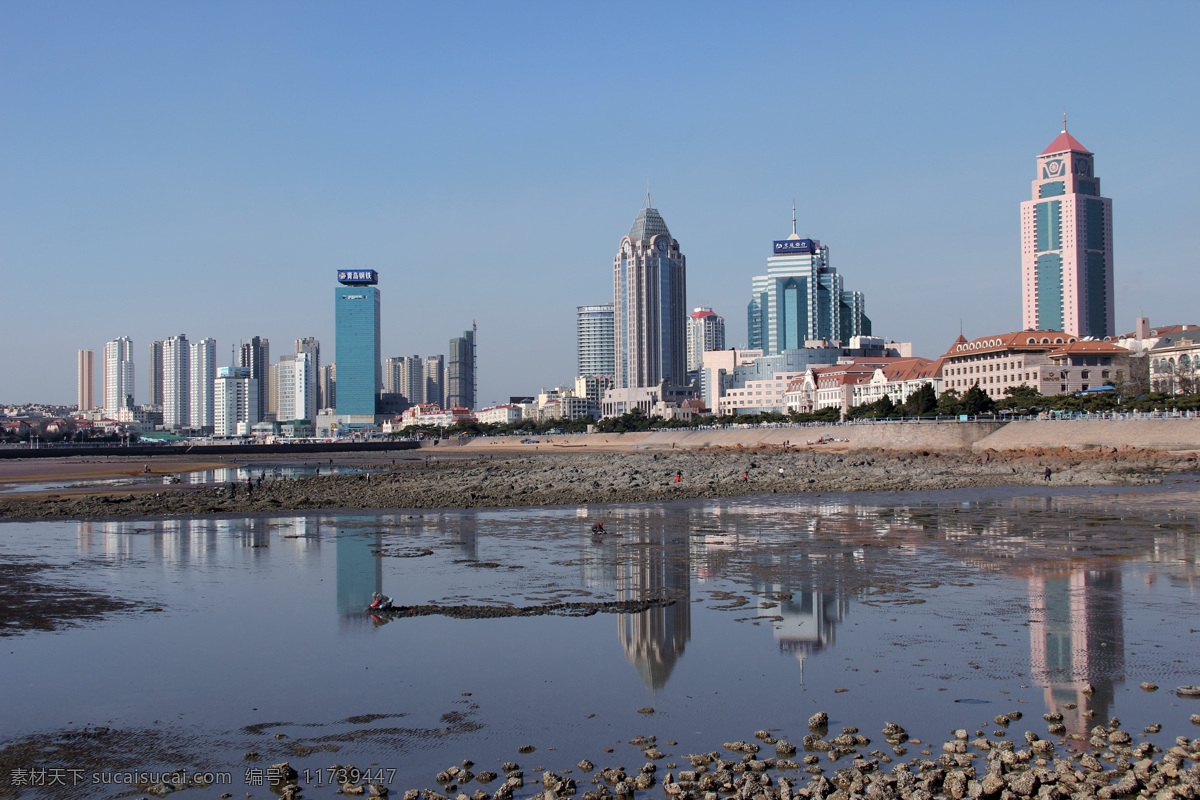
793, 217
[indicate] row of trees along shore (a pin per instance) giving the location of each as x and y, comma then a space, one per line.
921, 404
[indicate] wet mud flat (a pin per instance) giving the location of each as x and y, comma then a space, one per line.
39, 596
573, 478
763, 560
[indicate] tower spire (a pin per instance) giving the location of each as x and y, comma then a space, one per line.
1064, 121
793, 218
649, 203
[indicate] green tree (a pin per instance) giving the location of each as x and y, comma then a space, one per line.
921, 402
976, 401
949, 404
1022, 399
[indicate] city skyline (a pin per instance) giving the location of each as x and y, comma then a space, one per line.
215, 192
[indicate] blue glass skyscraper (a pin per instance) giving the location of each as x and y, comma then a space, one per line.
357, 349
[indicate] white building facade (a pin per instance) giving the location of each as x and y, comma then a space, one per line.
235, 402
201, 384
118, 375
177, 382
705, 331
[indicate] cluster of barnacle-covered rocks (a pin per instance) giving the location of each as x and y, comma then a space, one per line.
970, 766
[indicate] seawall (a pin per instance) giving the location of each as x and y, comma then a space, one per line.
1151, 434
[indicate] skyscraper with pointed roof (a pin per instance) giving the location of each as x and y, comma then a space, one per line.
1066, 245
649, 307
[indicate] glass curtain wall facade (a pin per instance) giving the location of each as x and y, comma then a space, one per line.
1066, 245
802, 299
460, 382
256, 356
357, 347
156, 373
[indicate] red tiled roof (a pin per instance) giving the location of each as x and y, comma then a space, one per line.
702, 314
1006, 341
1065, 141
1088, 347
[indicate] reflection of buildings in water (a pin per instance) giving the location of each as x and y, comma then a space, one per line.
1077, 636
654, 564
465, 536
178, 542
359, 571
810, 618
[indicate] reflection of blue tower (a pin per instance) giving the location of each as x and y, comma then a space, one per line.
1077, 635
655, 639
359, 571
810, 619
466, 537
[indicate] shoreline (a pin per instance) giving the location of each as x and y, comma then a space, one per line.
455, 478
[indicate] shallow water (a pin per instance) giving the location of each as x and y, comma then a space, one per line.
200, 476
935, 611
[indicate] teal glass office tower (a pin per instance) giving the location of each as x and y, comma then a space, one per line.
356, 346
802, 299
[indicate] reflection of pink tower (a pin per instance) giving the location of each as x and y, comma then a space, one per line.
1066, 245
1077, 636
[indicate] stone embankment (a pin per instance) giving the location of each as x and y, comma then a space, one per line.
1142, 433
1106, 766
576, 477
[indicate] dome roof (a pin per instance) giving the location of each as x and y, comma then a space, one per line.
649, 223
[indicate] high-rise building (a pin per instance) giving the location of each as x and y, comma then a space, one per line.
256, 356
460, 371
177, 382
594, 340
801, 299
329, 386
201, 384
357, 345
312, 347
83, 379
405, 375
649, 310
1066, 245
705, 331
118, 375
235, 396
297, 389
271, 381
156, 373
435, 380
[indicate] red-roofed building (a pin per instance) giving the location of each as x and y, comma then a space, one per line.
1052, 362
1067, 245
899, 380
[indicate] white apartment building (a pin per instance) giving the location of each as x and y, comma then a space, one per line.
118, 374
235, 402
177, 382
500, 415
201, 383
297, 388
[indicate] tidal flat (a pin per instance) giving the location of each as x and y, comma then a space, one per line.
231, 644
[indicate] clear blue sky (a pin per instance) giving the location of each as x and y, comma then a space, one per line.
204, 168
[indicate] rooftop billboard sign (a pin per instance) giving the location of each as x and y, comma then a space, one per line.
358, 277
786, 246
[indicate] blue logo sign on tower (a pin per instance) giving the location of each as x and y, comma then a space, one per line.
794, 246
358, 277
